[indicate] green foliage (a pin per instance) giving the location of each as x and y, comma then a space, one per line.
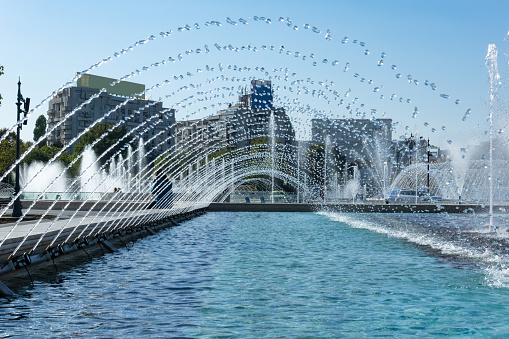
40, 129
174, 164
45, 153
66, 159
218, 154
58, 144
262, 141
8, 150
315, 162
42, 154
113, 135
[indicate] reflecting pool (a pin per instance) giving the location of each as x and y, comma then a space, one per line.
278, 275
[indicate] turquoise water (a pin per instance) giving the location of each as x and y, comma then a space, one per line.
270, 275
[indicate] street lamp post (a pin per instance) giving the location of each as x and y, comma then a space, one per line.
428, 151
16, 207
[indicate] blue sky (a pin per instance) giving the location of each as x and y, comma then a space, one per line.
445, 42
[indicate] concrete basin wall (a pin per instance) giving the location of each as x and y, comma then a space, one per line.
356, 208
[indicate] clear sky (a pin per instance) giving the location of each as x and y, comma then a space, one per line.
443, 41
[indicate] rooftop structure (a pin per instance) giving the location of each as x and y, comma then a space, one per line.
123, 88
119, 103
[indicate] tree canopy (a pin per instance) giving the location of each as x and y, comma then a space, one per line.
40, 128
8, 150
45, 153
315, 157
112, 136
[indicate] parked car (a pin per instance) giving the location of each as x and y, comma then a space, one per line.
408, 194
432, 198
278, 196
393, 194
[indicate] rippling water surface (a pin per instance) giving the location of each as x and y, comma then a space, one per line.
266, 275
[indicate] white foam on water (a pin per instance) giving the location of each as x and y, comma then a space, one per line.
421, 239
494, 265
497, 277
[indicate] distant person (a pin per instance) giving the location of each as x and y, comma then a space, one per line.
162, 189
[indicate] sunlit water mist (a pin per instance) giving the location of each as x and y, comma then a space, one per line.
262, 274
246, 274
120, 174
90, 175
307, 83
52, 171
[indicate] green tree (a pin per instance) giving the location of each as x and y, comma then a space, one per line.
315, 162
8, 151
40, 129
44, 154
111, 137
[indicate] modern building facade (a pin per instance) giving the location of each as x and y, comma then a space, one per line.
261, 95
213, 130
122, 102
354, 137
414, 149
241, 124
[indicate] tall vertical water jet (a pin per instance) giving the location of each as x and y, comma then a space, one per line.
120, 171
325, 161
52, 171
385, 173
89, 181
272, 150
416, 163
141, 161
112, 168
460, 165
129, 166
298, 172
494, 78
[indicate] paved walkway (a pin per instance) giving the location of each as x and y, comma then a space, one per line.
37, 235
28, 233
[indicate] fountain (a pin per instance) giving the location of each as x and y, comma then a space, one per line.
52, 171
472, 172
89, 171
209, 143
494, 76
